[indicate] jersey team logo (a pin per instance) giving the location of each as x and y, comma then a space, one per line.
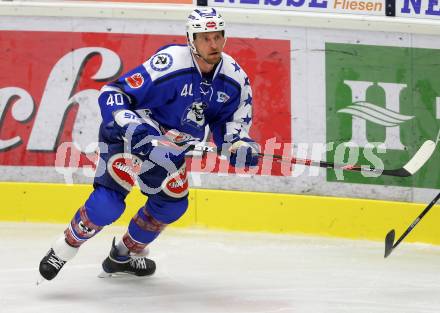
135, 81
161, 62
195, 115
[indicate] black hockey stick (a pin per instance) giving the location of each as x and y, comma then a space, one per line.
389, 239
412, 166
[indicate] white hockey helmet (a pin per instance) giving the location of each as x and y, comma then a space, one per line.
203, 21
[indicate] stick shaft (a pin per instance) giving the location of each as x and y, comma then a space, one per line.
417, 220
420, 158
308, 162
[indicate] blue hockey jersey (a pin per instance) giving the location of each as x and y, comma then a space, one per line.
170, 90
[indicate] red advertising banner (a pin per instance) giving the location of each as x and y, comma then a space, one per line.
49, 83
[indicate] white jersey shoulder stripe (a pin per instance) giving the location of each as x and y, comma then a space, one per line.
233, 70
168, 60
241, 120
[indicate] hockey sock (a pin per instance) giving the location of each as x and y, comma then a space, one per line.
63, 250
122, 248
81, 229
143, 229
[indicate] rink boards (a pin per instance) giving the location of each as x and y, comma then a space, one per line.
238, 211
321, 84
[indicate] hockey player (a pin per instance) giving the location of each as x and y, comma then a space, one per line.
172, 98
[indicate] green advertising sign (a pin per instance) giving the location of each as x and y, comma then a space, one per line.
384, 102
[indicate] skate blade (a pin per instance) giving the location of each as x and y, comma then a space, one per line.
104, 274
40, 280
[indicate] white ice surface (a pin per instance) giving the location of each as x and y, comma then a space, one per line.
201, 271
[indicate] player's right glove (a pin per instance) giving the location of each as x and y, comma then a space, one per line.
136, 133
244, 153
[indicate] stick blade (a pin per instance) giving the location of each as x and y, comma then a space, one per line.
421, 157
389, 242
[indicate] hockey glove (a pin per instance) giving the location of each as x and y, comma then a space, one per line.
244, 153
134, 132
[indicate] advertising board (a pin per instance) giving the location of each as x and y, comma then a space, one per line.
50, 81
363, 7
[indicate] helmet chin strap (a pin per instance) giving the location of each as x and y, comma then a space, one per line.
194, 50
197, 55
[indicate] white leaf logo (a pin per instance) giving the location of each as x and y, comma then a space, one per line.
375, 114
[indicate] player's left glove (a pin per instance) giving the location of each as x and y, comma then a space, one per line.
244, 153
137, 134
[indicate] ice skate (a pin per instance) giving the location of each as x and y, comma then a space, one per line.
116, 264
55, 259
50, 265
